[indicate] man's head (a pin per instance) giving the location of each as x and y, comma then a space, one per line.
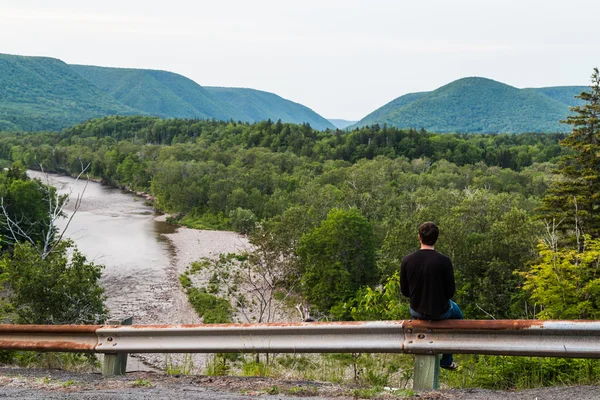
428, 233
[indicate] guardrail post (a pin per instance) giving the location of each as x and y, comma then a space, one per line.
116, 364
427, 372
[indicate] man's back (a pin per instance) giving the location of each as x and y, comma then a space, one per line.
427, 278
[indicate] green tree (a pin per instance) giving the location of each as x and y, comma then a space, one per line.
337, 258
24, 208
382, 303
62, 288
574, 200
565, 282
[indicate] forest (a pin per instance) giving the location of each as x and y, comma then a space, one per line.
518, 214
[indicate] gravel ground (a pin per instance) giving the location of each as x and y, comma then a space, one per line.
17, 383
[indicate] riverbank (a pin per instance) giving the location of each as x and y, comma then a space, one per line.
191, 245
167, 303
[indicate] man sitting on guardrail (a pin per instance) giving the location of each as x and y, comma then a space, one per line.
427, 278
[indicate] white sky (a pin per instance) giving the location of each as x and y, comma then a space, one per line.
342, 58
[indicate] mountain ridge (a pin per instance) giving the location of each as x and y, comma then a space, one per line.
478, 105
39, 93
45, 93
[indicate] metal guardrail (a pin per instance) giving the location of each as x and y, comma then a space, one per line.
425, 339
501, 337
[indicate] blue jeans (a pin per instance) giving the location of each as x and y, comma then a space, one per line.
452, 313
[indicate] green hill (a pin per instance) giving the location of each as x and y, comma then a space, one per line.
169, 95
261, 106
564, 94
382, 112
159, 93
39, 93
478, 105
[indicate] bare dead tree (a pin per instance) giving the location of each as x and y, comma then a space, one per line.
20, 228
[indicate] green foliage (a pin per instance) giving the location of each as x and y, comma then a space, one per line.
242, 220
25, 201
186, 367
574, 200
185, 281
475, 105
219, 365
212, 309
62, 288
502, 372
251, 367
565, 282
337, 258
380, 304
207, 221
141, 383
76, 362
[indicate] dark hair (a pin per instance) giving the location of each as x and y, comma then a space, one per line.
429, 233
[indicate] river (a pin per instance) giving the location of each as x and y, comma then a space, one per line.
143, 255
118, 230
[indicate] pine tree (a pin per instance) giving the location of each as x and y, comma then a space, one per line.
574, 199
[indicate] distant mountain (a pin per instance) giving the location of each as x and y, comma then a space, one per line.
169, 95
39, 93
382, 113
259, 106
341, 123
159, 93
479, 105
564, 94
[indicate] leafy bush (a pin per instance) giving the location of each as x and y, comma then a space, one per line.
212, 309
242, 220
62, 288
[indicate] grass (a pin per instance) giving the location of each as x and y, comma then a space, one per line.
206, 221
211, 308
73, 362
141, 383
503, 372
375, 374
185, 368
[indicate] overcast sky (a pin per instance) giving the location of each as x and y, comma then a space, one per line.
342, 58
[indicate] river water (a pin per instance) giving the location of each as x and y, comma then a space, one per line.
116, 229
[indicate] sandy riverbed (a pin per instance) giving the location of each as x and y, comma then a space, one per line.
170, 305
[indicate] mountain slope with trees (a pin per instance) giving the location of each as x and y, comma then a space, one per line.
261, 106
39, 93
479, 105
168, 95
564, 94
159, 93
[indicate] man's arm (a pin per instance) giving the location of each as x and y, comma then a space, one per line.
404, 280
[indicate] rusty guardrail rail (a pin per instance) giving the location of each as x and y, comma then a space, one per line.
500, 337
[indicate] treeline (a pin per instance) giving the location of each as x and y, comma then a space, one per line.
505, 151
